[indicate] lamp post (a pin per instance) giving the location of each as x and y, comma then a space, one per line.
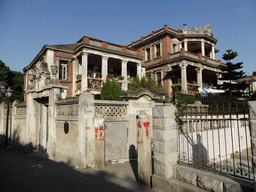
8, 94
163, 97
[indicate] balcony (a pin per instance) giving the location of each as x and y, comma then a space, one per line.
194, 56
95, 83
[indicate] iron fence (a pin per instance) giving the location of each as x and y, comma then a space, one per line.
214, 134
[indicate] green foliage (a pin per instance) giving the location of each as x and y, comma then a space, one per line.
12, 79
110, 90
147, 83
230, 76
181, 100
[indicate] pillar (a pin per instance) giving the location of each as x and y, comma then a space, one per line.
51, 144
84, 82
202, 48
165, 139
144, 149
86, 132
104, 68
143, 72
99, 141
139, 70
252, 116
213, 52
186, 45
124, 74
30, 119
199, 77
183, 77
170, 80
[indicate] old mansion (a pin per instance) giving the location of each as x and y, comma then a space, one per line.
181, 60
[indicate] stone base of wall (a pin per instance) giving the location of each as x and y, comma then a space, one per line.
211, 181
173, 185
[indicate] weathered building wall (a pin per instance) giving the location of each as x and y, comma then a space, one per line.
67, 131
19, 123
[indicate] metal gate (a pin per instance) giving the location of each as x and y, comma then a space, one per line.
214, 134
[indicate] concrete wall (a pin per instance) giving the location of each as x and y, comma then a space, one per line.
19, 123
215, 144
67, 143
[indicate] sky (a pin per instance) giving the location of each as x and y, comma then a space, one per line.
27, 25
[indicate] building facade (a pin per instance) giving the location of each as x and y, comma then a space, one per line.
180, 60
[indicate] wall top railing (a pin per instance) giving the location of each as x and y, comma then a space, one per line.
111, 108
67, 107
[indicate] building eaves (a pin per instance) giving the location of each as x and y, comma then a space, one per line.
65, 48
204, 36
93, 47
151, 37
180, 59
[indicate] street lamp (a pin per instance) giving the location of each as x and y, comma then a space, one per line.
163, 97
8, 94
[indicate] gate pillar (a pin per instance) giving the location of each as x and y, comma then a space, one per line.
165, 136
144, 148
252, 113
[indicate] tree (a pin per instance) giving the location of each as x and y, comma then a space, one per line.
110, 90
230, 76
147, 83
12, 79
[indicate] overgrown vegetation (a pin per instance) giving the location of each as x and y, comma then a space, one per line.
182, 100
147, 83
110, 90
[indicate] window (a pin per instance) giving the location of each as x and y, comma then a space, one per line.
63, 70
158, 51
147, 54
174, 48
159, 79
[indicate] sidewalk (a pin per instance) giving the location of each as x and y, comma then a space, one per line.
30, 172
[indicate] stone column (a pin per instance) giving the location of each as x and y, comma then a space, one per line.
143, 72
139, 70
199, 77
30, 118
183, 77
124, 74
144, 148
86, 139
202, 48
99, 141
170, 80
252, 127
51, 144
84, 82
104, 67
213, 52
186, 45
165, 134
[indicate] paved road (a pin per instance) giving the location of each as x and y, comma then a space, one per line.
30, 172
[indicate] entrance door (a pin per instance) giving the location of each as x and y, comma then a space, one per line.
43, 127
116, 140
42, 122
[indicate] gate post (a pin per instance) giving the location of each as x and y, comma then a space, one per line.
252, 127
144, 149
165, 134
99, 141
